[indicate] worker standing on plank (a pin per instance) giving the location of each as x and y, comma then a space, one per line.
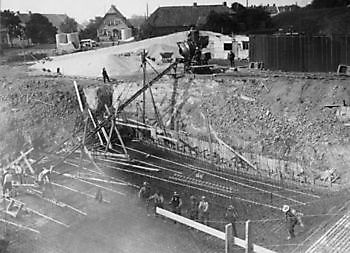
6, 183
158, 200
105, 75
231, 217
44, 180
19, 172
176, 203
292, 219
193, 211
203, 211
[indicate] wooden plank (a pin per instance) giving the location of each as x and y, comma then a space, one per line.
95, 125
42, 215
78, 191
18, 158
20, 226
78, 95
191, 223
28, 163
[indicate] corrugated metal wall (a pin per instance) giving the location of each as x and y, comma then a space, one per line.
300, 53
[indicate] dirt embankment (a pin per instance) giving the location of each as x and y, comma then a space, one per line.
284, 118
35, 110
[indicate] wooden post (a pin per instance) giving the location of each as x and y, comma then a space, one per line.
248, 238
78, 95
82, 146
95, 125
228, 238
28, 163
143, 59
110, 136
117, 131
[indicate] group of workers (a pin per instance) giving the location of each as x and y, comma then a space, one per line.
16, 174
199, 210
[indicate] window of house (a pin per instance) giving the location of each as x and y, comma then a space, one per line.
245, 45
227, 46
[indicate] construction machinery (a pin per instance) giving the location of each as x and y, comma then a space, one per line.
194, 52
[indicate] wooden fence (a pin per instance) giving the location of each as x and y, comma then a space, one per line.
300, 53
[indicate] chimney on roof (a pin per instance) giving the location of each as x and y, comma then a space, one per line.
194, 4
224, 3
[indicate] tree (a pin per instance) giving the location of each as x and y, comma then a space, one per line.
317, 4
221, 23
12, 23
90, 32
69, 25
39, 29
253, 19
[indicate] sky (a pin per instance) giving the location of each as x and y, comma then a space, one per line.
83, 10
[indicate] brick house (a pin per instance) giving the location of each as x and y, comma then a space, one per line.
113, 25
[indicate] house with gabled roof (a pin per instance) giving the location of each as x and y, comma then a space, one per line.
171, 19
113, 26
55, 19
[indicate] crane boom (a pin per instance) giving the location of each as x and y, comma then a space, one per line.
144, 88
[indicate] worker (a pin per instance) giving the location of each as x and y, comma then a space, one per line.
231, 217
203, 211
193, 210
19, 172
6, 182
231, 57
176, 203
105, 75
158, 200
43, 180
197, 56
292, 218
145, 191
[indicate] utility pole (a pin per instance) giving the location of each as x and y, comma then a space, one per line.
143, 59
146, 11
1, 52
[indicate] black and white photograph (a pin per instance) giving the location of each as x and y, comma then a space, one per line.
175, 126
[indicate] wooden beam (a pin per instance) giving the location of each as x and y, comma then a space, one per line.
95, 125
248, 237
28, 163
191, 223
117, 131
19, 158
20, 226
78, 96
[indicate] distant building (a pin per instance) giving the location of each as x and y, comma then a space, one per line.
114, 26
171, 19
55, 19
288, 8
274, 10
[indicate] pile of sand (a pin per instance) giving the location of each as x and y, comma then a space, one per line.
119, 60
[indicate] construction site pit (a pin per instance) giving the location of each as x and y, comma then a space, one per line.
274, 138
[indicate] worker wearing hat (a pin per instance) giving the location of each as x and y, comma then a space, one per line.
292, 220
203, 210
144, 192
176, 203
231, 217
